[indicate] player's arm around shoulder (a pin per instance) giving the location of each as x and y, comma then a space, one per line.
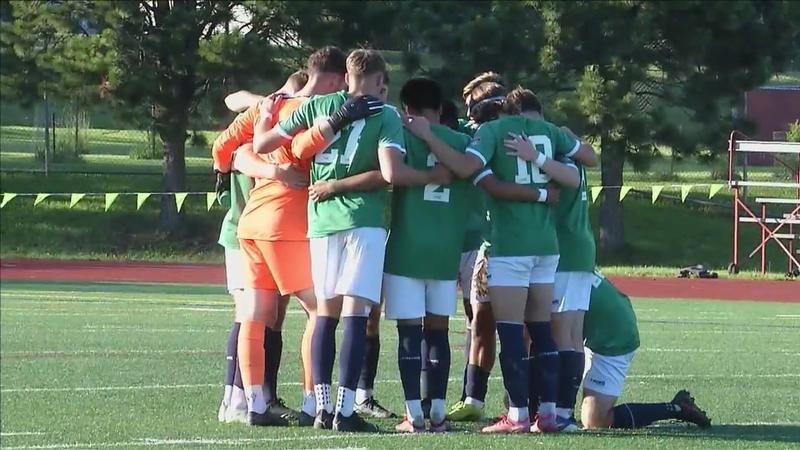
580, 151
238, 133
269, 135
513, 192
455, 159
391, 154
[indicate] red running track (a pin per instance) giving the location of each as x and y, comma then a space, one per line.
91, 271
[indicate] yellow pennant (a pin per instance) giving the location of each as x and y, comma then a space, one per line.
75, 198
713, 189
595, 192
110, 199
40, 198
685, 191
656, 192
211, 197
624, 191
141, 198
7, 198
180, 197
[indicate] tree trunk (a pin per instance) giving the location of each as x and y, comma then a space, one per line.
612, 232
173, 179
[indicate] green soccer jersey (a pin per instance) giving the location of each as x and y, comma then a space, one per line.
477, 223
609, 327
521, 228
353, 151
237, 197
428, 222
467, 127
575, 238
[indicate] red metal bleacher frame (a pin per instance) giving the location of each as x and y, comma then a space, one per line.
742, 212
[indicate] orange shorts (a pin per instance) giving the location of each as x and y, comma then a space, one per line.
284, 266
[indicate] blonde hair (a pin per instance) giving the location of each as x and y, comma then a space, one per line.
363, 62
484, 96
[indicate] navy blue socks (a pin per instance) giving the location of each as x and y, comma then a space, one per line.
547, 362
409, 359
637, 415
438, 361
513, 362
273, 350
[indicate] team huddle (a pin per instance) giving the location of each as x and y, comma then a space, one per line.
494, 204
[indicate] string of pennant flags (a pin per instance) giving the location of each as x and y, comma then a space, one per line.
211, 197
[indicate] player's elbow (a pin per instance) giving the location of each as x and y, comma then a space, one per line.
391, 175
587, 156
572, 180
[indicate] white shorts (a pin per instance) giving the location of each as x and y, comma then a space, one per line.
605, 374
522, 271
572, 291
349, 263
234, 269
465, 272
412, 298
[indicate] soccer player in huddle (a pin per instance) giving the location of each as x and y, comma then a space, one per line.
420, 287
612, 338
347, 232
233, 189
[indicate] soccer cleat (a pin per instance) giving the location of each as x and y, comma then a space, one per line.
567, 424
690, 412
279, 407
506, 425
268, 418
324, 420
408, 426
371, 408
305, 420
233, 415
463, 412
354, 423
221, 412
545, 423
442, 427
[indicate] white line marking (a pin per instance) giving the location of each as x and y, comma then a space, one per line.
22, 433
227, 310
105, 352
788, 316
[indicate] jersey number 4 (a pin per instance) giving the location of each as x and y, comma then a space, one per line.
543, 145
435, 192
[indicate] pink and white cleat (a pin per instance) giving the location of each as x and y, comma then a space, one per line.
441, 427
506, 425
545, 423
407, 426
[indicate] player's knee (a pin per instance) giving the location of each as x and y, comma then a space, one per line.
436, 322
595, 415
468, 310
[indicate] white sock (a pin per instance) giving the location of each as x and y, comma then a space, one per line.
309, 405
362, 395
345, 401
547, 409
226, 397
564, 412
255, 398
474, 402
414, 411
238, 399
517, 414
322, 394
438, 413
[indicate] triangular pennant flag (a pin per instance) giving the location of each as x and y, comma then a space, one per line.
685, 191
180, 197
75, 198
7, 198
656, 192
110, 200
140, 199
40, 198
595, 192
624, 191
713, 189
211, 197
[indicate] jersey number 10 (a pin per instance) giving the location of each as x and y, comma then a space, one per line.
543, 145
435, 192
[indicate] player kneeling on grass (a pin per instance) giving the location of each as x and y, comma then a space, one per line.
422, 258
612, 338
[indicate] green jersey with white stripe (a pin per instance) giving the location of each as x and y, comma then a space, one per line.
521, 228
235, 199
609, 326
354, 150
428, 222
575, 238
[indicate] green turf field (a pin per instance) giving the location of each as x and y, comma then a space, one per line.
135, 366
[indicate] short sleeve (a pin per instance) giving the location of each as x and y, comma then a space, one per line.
481, 175
301, 119
391, 134
483, 144
566, 146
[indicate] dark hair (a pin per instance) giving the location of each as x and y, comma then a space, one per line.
449, 116
421, 93
484, 96
328, 59
521, 100
363, 62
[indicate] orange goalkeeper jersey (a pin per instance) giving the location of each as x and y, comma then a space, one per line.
275, 211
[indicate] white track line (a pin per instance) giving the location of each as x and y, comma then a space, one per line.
22, 433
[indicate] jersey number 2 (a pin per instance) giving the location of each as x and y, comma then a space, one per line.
435, 192
543, 145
